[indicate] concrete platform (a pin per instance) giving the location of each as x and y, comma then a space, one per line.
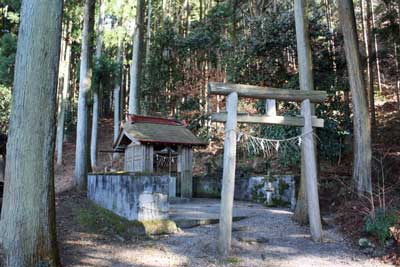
201, 211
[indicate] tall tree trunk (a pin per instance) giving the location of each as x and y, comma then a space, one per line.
96, 88
180, 15
63, 97
148, 39
308, 144
188, 10
396, 60
361, 121
134, 94
117, 90
397, 65
28, 226
85, 82
147, 57
163, 12
377, 58
124, 84
201, 10
371, 90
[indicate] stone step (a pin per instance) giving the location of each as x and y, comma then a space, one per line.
190, 223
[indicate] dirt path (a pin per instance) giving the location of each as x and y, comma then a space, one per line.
267, 238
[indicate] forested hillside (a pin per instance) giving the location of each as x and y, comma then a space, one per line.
185, 45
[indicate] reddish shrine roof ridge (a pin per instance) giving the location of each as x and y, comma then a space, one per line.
152, 119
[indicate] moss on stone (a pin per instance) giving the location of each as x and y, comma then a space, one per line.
159, 227
97, 219
257, 195
282, 187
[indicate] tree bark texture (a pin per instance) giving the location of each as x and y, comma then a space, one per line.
362, 131
96, 88
134, 94
85, 83
117, 90
63, 97
371, 89
28, 230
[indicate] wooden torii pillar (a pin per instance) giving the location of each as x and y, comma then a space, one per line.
231, 118
309, 164
306, 95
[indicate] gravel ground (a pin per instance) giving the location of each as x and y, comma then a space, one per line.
267, 238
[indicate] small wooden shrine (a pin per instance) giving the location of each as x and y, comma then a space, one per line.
158, 145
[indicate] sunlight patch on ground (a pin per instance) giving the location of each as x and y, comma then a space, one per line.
284, 250
299, 236
158, 256
285, 212
80, 242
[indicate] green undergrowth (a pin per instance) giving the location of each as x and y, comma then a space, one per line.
96, 219
379, 223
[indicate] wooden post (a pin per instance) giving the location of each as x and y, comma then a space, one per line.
262, 92
263, 119
186, 172
309, 164
179, 170
228, 183
148, 158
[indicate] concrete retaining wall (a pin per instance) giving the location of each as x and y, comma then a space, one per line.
275, 190
134, 197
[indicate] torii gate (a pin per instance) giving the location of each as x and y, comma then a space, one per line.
306, 95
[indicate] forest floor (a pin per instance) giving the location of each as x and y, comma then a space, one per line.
268, 238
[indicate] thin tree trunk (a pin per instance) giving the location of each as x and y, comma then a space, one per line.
63, 98
28, 226
361, 121
180, 15
371, 90
164, 12
96, 89
85, 82
201, 10
124, 85
117, 90
188, 10
308, 144
148, 39
134, 94
377, 58
397, 65
147, 57
396, 60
